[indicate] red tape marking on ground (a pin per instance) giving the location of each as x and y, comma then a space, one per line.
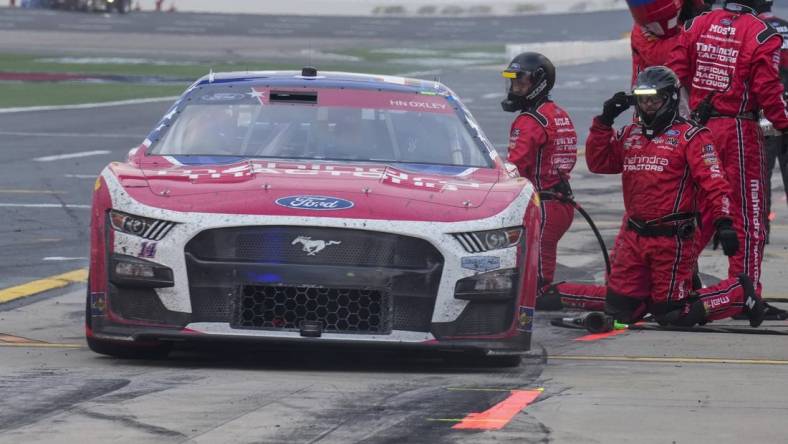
497, 416
597, 336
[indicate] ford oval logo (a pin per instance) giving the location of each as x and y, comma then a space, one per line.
314, 203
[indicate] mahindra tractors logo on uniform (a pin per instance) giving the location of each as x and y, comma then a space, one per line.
320, 203
645, 163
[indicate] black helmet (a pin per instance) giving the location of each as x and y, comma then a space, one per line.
662, 83
756, 5
536, 68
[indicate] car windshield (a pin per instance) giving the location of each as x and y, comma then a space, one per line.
323, 124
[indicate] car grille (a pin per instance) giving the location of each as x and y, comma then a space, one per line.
259, 264
313, 245
337, 309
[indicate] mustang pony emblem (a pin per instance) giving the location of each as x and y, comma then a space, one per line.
312, 247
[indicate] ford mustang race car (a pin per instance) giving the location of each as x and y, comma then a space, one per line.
315, 209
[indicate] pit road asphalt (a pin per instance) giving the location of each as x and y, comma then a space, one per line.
645, 386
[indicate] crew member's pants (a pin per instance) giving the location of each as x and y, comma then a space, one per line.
557, 217
739, 144
658, 271
774, 154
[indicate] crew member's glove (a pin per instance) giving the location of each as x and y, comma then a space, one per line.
613, 107
726, 236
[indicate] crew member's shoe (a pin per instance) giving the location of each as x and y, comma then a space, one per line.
754, 307
549, 298
772, 314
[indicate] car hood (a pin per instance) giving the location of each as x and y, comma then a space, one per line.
356, 190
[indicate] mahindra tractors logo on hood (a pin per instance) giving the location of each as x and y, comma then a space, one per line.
322, 203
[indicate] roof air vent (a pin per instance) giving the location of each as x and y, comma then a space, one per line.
308, 71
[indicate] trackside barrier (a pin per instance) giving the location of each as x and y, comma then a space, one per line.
574, 53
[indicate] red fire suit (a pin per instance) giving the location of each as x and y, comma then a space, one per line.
543, 146
733, 56
649, 50
661, 180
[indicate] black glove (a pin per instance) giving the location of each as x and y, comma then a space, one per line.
613, 107
726, 236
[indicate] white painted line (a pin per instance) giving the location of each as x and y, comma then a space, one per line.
87, 105
21, 205
100, 136
61, 258
71, 155
493, 96
81, 176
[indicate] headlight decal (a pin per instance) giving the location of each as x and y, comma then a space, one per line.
146, 228
481, 241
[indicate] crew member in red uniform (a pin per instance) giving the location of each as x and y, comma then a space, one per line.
729, 59
666, 163
543, 146
776, 145
657, 28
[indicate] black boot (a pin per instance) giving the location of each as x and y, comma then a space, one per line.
687, 316
754, 307
774, 314
549, 298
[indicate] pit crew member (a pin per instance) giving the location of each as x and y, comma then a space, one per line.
667, 163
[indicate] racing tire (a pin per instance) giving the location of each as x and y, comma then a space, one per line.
118, 349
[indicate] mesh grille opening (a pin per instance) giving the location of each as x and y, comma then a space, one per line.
338, 309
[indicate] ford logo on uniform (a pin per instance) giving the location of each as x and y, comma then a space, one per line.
314, 203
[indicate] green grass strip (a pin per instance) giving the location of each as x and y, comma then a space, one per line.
43, 93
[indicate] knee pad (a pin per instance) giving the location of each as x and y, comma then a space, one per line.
623, 308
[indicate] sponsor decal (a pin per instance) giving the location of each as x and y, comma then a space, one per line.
525, 320
708, 149
723, 28
516, 133
414, 104
319, 203
312, 247
481, 263
147, 250
223, 97
672, 132
387, 175
514, 67
719, 301
98, 303
645, 163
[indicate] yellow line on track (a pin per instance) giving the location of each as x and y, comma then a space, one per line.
671, 360
42, 285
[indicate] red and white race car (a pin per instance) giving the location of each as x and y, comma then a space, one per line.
314, 208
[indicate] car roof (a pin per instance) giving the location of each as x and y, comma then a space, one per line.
326, 79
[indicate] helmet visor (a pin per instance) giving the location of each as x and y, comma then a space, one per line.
649, 100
